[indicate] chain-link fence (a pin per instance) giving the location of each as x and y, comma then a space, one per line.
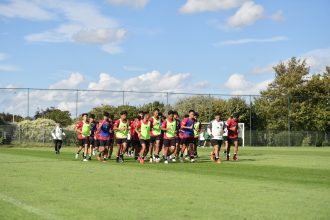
277, 125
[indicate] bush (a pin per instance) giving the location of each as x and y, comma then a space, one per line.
38, 130
325, 143
282, 138
307, 141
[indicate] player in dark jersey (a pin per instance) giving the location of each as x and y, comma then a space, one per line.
105, 128
92, 135
187, 126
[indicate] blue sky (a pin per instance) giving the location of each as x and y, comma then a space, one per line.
211, 46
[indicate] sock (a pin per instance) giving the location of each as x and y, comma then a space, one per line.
181, 155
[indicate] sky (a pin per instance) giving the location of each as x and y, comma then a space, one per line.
201, 46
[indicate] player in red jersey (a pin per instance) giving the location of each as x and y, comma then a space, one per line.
155, 136
232, 125
143, 129
169, 128
83, 130
121, 133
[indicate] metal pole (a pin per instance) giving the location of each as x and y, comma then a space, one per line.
123, 97
210, 107
28, 102
250, 122
289, 130
77, 96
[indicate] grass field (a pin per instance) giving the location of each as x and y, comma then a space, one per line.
266, 183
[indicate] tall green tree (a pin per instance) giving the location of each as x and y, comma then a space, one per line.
59, 116
294, 100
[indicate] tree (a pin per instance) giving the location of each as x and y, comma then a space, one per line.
293, 101
6, 118
59, 116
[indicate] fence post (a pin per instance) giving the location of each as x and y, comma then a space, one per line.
19, 134
289, 129
77, 96
28, 102
250, 121
123, 97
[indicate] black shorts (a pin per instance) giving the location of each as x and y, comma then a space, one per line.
92, 141
82, 142
196, 141
225, 138
135, 143
146, 142
121, 141
232, 140
154, 138
177, 140
216, 142
169, 143
187, 141
105, 143
97, 143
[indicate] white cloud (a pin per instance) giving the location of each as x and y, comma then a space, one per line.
239, 85
130, 3
73, 82
197, 6
25, 9
251, 40
263, 69
317, 59
3, 56
80, 22
247, 14
8, 68
278, 16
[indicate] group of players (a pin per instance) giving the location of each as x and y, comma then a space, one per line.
159, 134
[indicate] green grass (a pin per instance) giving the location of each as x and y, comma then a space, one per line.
266, 183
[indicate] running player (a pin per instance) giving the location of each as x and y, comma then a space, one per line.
121, 131
233, 136
183, 146
169, 126
187, 126
92, 136
177, 137
83, 129
225, 139
135, 137
105, 127
197, 130
58, 134
215, 129
155, 136
143, 129
112, 136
